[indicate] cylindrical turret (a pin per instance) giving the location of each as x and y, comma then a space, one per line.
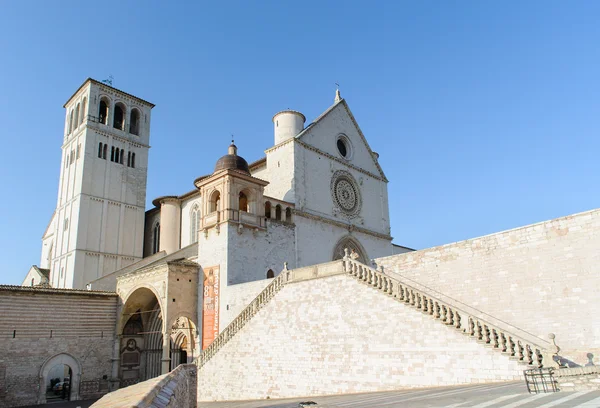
170, 214
287, 124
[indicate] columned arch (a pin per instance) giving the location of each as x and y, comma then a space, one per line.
68, 360
351, 243
141, 330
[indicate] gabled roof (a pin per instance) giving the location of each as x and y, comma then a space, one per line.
42, 271
362, 136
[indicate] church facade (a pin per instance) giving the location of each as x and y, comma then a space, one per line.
278, 278
185, 268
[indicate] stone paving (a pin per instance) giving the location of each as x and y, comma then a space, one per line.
505, 395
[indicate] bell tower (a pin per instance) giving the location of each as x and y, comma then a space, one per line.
98, 223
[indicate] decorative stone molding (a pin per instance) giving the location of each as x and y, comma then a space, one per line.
339, 160
349, 227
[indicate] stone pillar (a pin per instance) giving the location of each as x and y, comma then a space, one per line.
166, 358
170, 224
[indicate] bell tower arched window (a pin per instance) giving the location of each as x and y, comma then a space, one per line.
76, 123
134, 122
119, 119
268, 209
83, 108
103, 111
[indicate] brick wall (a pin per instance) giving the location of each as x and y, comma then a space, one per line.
39, 324
336, 335
543, 278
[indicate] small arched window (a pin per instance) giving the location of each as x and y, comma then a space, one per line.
243, 202
112, 154
134, 122
288, 215
119, 119
156, 238
32, 281
100, 150
103, 111
104, 152
128, 159
121, 156
270, 274
83, 109
268, 209
278, 212
76, 123
133, 160
194, 223
71, 125
214, 201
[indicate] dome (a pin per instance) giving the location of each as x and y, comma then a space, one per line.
232, 161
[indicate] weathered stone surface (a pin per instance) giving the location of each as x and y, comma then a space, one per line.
336, 335
176, 389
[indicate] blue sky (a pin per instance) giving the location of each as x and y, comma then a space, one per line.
486, 114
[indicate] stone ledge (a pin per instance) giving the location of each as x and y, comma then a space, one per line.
174, 389
568, 372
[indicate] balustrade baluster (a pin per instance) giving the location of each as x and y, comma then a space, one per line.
457, 320
471, 326
511, 346
540, 357
529, 353
444, 312
520, 350
495, 338
479, 331
450, 321
486, 331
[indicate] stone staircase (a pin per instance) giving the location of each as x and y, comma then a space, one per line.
517, 344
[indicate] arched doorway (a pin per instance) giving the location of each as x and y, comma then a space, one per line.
184, 341
59, 379
141, 344
353, 245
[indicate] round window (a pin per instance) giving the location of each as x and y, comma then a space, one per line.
341, 145
346, 193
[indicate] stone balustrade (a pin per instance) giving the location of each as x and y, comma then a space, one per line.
501, 336
510, 340
244, 316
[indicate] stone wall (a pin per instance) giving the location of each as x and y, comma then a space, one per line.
578, 379
40, 328
542, 278
176, 389
336, 335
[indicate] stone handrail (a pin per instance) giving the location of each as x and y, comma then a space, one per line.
506, 338
176, 389
244, 316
